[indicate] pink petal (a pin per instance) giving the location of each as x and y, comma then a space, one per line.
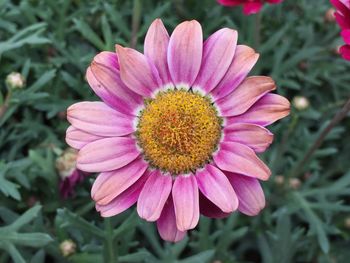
166, 223
186, 203
267, 110
109, 185
345, 52
123, 201
154, 195
252, 8
156, 48
107, 154
77, 139
208, 209
218, 51
216, 187
256, 137
242, 98
99, 119
243, 61
250, 194
104, 78
185, 53
139, 74
238, 158
346, 35
230, 2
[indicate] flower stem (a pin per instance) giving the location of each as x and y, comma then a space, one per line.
111, 251
136, 17
257, 31
338, 117
6, 103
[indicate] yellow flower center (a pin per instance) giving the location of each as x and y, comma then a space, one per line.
178, 131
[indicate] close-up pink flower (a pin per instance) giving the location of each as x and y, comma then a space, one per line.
342, 16
178, 129
249, 6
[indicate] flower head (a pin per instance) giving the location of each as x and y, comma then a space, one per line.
178, 129
249, 6
15, 80
300, 103
342, 15
68, 247
70, 175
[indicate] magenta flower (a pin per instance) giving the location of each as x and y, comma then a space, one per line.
178, 129
70, 176
249, 6
343, 18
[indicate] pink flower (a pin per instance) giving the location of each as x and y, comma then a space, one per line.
178, 129
343, 18
69, 174
249, 6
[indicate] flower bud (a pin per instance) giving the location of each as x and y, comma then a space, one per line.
347, 222
68, 247
329, 17
279, 179
66, 163
15, 80
294, 183
300, 103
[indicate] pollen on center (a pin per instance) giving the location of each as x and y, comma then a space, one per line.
178, 131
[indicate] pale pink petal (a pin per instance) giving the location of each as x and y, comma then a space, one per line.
156, 48
215, 186
107, 154
139, 74
186, 203
123, 201
77, 139
243, 61
256, 137
242, 98
154, 195
109, 185
238, 158
267, 110
104, 78
218, 52
99, 119
250, 194
185, 53
208, 209
166, 223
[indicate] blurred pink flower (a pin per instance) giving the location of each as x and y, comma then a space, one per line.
70, 176
249, 6
343, 18
178, 129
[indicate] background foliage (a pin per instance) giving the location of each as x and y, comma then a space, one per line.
52, 42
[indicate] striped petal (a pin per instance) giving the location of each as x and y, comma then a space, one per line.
267, 110
154, 195
242, 98
243, 61
109, 185
238, 158
99, 119
216, 187
104, 78
77, 139
254, 136
186, 203
139, 74
123, 201
107, 154
218, 52
185, 53
250, 194
156, 48
166, 223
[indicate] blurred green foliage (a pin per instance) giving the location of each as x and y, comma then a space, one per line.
52, 42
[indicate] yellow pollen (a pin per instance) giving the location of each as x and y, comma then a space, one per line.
178, 131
